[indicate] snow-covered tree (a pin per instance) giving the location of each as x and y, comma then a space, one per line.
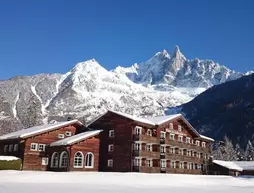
249, 152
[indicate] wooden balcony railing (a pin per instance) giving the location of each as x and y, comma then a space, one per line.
146, 138
146, 154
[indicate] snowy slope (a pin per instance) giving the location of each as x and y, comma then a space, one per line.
79, 182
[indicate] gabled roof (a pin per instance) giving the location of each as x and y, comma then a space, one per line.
153, 121
76, 138
236, 165
24, 133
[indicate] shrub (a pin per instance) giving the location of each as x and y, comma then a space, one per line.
10, 165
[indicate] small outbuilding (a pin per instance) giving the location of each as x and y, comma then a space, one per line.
232, 168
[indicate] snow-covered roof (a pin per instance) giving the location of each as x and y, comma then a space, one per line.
162, 119
206, 138
24, 133
236, 165
8, 158
75, 138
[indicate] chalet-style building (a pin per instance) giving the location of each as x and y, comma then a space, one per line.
61, 146
165, 144
232, 168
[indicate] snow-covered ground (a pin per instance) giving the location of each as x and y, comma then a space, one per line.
80, 182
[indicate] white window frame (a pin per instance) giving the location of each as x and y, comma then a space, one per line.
44, 161
180, 138
110, 148
171, 126
87, 164
111, 133
61, 165
6, 148
52, 164
180, 128
189, 166
68, 133
138, 130
137, 146
188, 140
163, 135
60, 136
75, 164
16, 147
149, 147
110, 163
149, 162
173, 164
197, 142
172, 136
172, 150
137, 162
181, 165
163, 163
43, 147
149, 132
35, 147
10, 148
203, 144
163, 149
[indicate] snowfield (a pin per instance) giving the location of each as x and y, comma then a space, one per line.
80, 182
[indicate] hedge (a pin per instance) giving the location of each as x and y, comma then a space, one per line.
10, 165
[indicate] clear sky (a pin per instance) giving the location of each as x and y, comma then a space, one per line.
52, 36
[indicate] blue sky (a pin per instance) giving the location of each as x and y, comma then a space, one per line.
52, 36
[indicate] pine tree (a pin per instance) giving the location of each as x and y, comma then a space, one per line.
249, 152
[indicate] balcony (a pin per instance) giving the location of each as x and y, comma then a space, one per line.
146, 154
146, 138
145, 169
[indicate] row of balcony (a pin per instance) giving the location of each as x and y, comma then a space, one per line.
167, 156
146, 169
180, 144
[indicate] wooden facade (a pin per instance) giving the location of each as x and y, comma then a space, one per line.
36, 153
155, 153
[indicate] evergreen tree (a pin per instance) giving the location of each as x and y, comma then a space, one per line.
249, 152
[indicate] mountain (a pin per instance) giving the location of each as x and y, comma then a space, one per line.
87, 90
163, 70
225, 109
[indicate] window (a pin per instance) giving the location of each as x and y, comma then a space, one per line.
172, 164
163, 134
63, 160
149, 147
203, 144
137, 162
163, 163
187, 140
197, 143
172, 150
179, 128
78, 160
180, 138
189, 166
16, 147
44, 161
110, 163
171, 126
111, 148
111, 133
180, 151
54, 160
60, 136
188, 153
181, 165
89, 160
149, 163
172, 136
149, 132
163, 149
41, 147
137, 146
138, 130
6, 148
198, 155
68, 133
34, 146
10, 147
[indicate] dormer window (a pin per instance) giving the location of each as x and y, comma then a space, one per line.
149, 132
138, 130
179, 128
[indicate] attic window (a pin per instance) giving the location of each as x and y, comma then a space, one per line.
179, 128
171, 126
60, 136
138, 130
149, 132
203, 144
68, 133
